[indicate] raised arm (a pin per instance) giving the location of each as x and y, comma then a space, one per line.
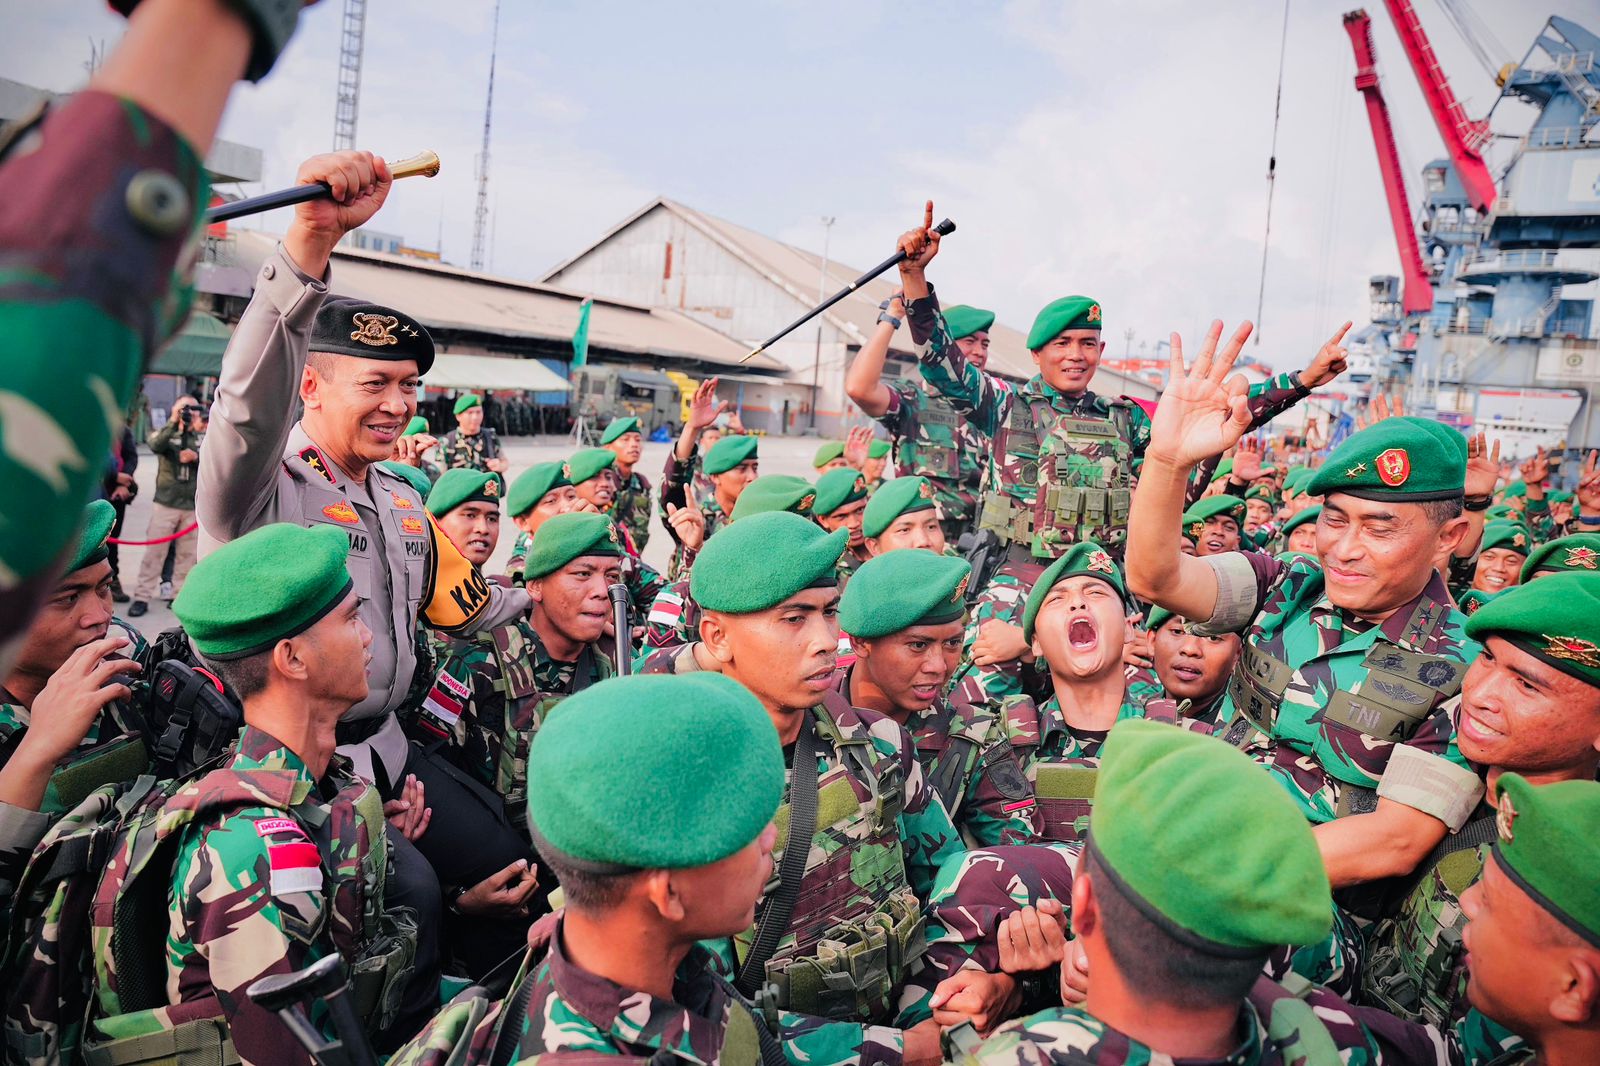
863, 382
1202, 414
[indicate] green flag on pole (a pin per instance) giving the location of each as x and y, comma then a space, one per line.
580, 337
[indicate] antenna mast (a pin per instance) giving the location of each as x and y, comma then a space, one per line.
481, 216
347, 102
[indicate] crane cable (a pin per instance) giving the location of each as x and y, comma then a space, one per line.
1272, 170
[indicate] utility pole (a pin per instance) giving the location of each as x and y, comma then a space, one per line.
480, 218
822, 294
347, 100
1127, 335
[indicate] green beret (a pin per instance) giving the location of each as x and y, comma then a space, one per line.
467, 401
619, 426
410, 474
1069, 312
697, 778
1158, 617
1294, 481
1547, 847
1472, 600
775, 492
895, 497
878, 449
418, 424
344, 326
1559, 497
739, 571
1516, 488
1310, 514
266, 586
1580, 552
463, 485
827, 453
566, 537
1513, 536
1223, 469
901, 589
837, 488
588, 464
532, 485
98, 518
1556, 619
963, 321
1233, 890
1401, 459
1500, 512
1084, 557
729, 452
1194, 519
1259, 492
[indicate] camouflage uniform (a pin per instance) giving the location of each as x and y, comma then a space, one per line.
932, 439
1060, 469
112, 751
632, 507
1144, 684
969, 764
673, 620
457, 449
1355, 698
510, 684
252, 896
681, 485
856, 932
90, 284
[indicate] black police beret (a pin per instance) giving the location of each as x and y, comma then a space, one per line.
346, 326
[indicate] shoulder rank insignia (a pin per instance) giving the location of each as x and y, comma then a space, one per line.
1584, 557
402, 502
313, 458
1394, 467
1573, 649
376, 330
342, 513
1102, 562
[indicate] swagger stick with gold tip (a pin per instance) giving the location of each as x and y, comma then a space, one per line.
943, 229
424, 165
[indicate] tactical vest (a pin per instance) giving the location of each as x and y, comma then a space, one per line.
857, 924
936, 455
134, 1024
1063, 789
1077, 468
1414, 966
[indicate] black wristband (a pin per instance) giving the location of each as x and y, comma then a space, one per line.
1476, 503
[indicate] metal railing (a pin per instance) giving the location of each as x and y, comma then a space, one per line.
1559, 137
1514, 259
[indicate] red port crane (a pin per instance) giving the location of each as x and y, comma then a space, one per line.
1416, 295
1463, 137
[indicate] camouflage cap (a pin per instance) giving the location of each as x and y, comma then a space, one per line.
1556, 619
533, 485
566, 537
1401, 459
729, 452
411, 475
759, 562
1546, 846
775, 492
1057, 316
838, 488
688, 784
464, 485
1085, 557
1310, 514
588, 463
827, 453
268, 585
1512, 536
618, 426
466, 402
1231, 890
346, 326
896, 497
1579, 553
1194, 519
904, 588
418, 424
91, 547
963, 321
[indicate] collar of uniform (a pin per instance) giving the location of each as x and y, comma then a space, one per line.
299, 441
1411, 625
687, 1025
260, 750
1056, 396
1052, 720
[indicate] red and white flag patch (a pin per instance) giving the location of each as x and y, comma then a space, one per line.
666, 611
446, 700
296, 867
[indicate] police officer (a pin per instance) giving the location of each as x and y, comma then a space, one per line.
79, 327
471, 444
263, 887
625, 438
1348, 662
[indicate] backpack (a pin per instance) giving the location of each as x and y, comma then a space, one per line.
189, 716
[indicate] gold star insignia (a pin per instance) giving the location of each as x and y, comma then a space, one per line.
1356, 471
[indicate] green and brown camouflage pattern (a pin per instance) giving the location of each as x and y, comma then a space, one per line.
1301, 721
457, 449
85, 286
632, 507
643, 580
682, 485
514, 683
932, 439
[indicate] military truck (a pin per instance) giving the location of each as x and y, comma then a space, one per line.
601, 393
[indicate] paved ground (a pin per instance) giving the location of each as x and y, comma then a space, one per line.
779, 455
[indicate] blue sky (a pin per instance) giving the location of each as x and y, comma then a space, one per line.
1116, 148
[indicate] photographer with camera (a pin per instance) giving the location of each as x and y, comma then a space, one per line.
177, 446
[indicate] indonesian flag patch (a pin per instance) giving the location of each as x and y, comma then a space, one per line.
296, 867
445, 701
666, 611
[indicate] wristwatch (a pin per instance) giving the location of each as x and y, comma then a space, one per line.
885, 316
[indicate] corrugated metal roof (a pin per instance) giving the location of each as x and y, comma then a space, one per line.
452, 371
797, 271
445, 297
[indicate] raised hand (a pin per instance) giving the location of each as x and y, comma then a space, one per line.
1589, 486
1535, 470
1483, 466
93, 676
688, 524
920, 245
1331, 361
1247, 461
705, 407
857, 444
1203, 411
360, 182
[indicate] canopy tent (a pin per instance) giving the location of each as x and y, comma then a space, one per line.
197, 350
492, 372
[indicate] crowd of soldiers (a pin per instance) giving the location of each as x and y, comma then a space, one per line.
1086, 732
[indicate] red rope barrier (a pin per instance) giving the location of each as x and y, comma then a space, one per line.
190, 528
